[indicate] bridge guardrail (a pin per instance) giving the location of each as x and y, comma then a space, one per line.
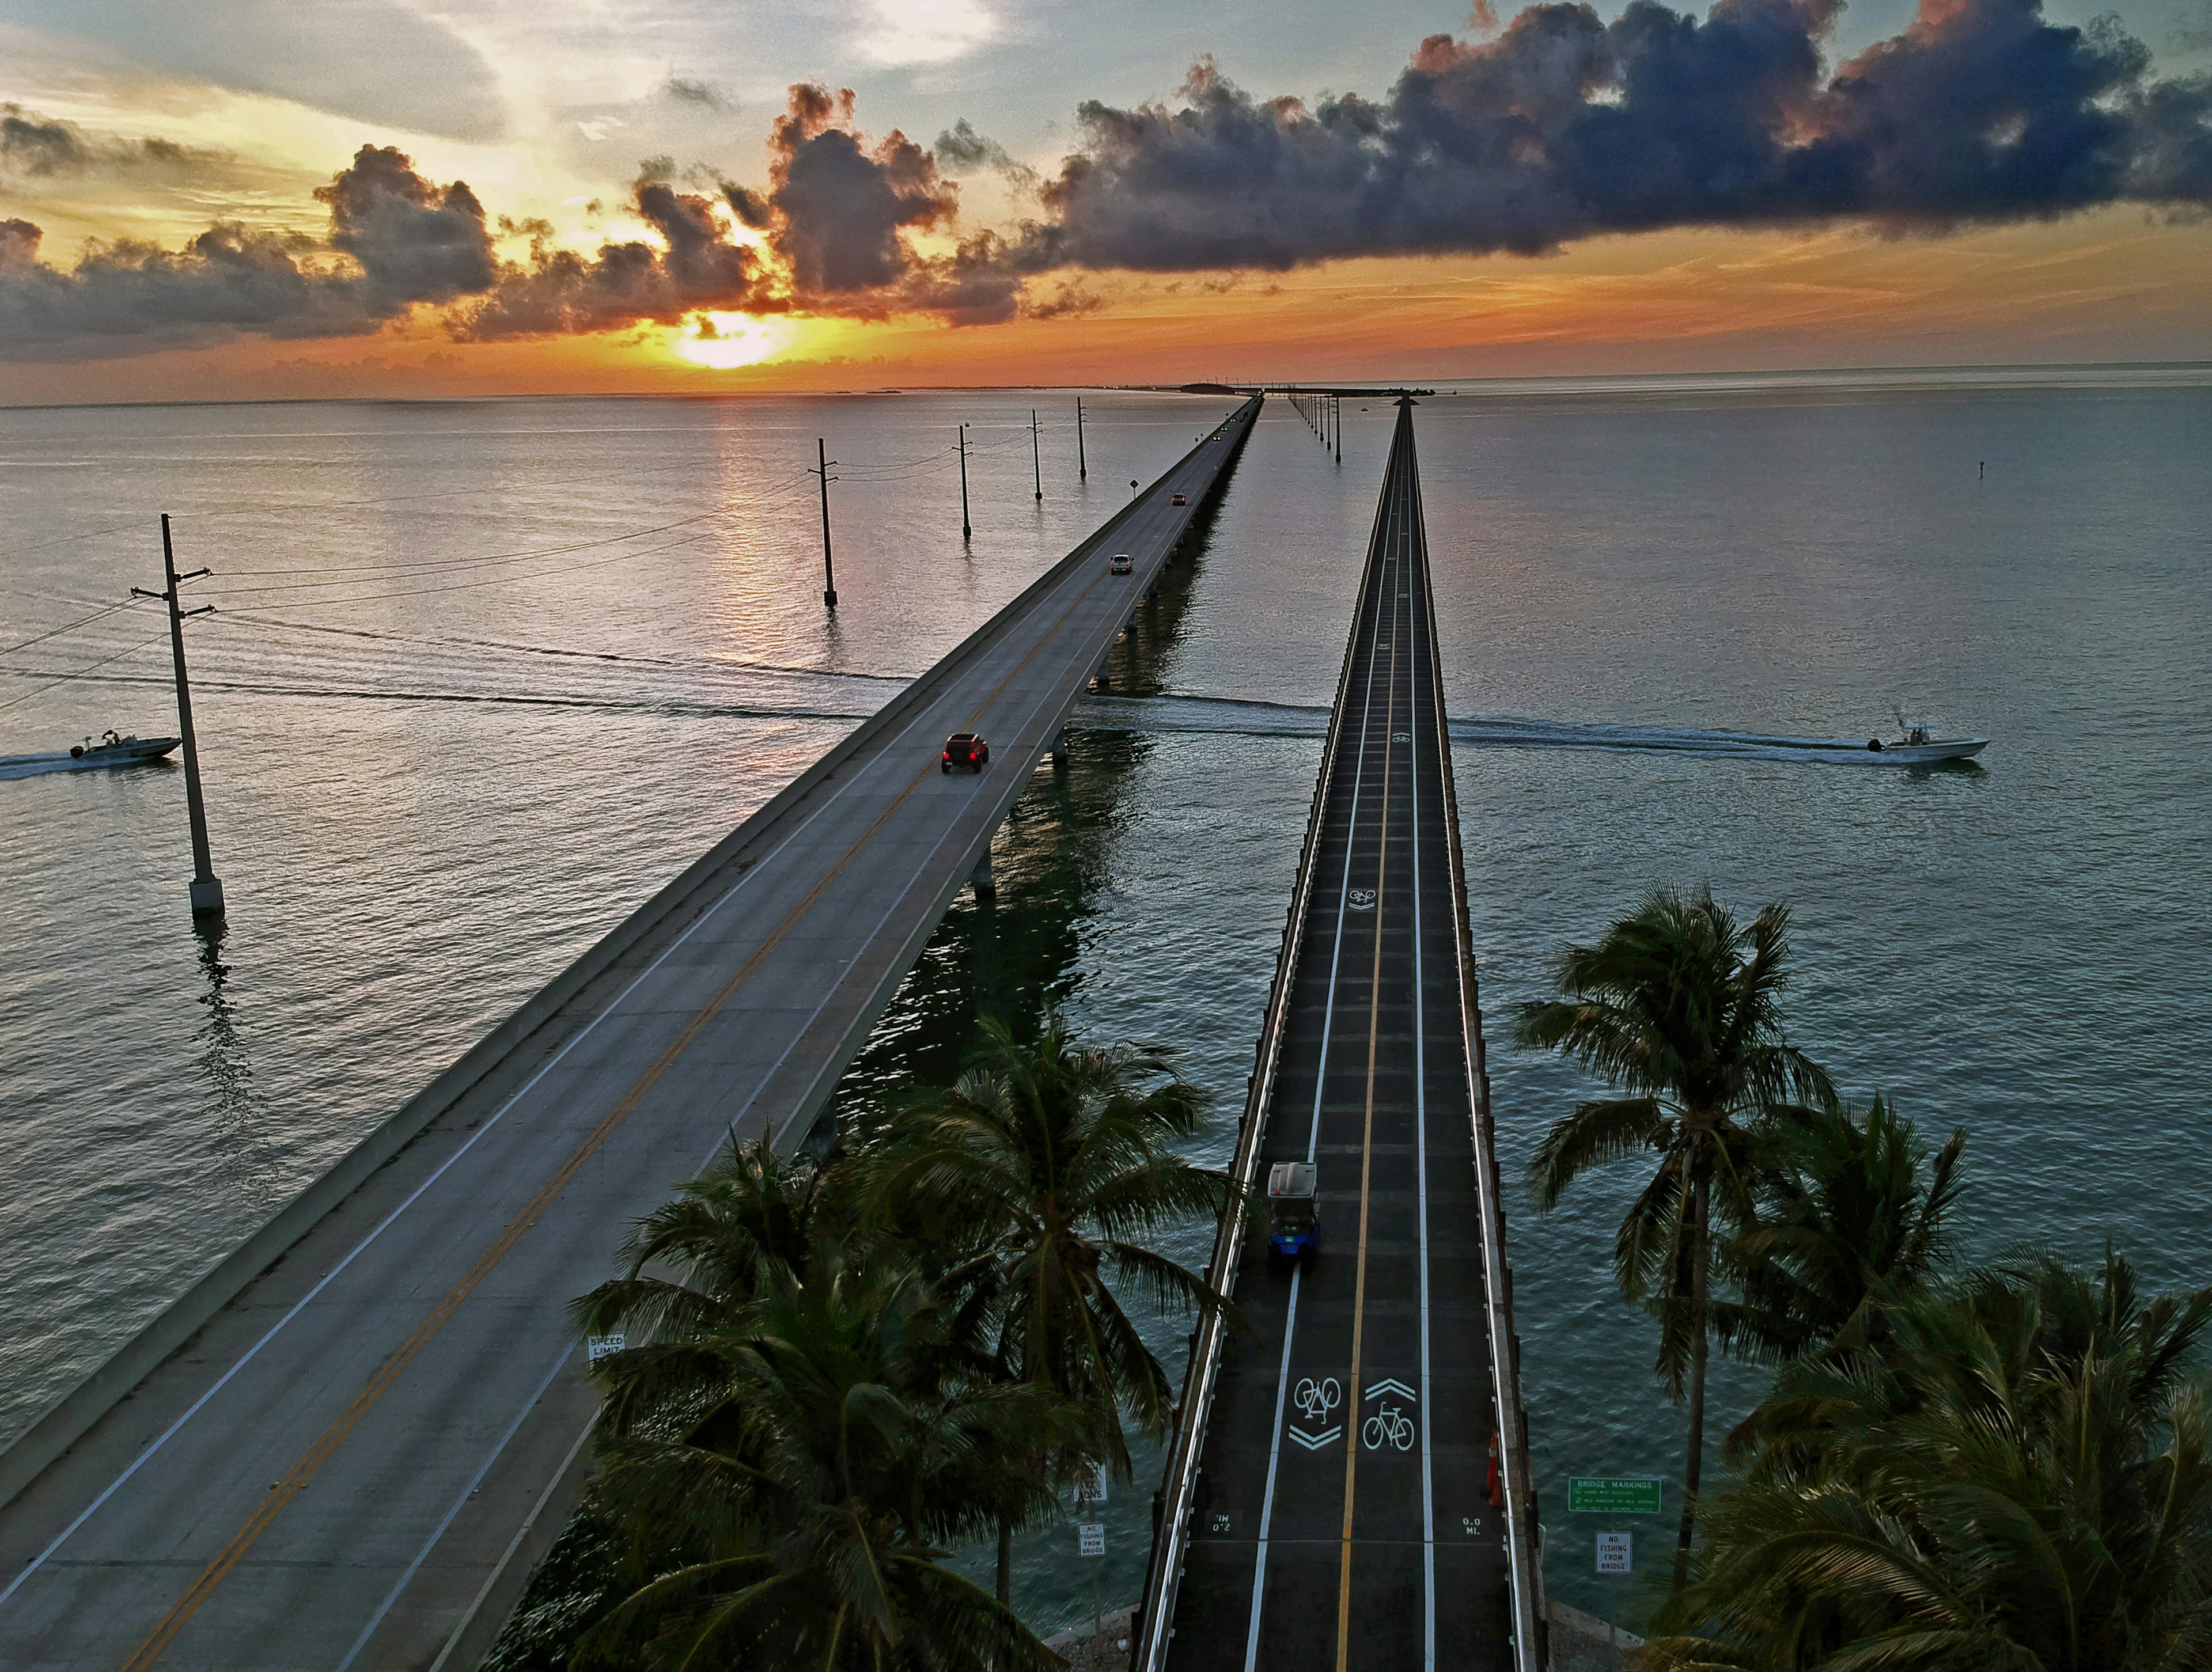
1532, 1628
1155, 1616
65, 1421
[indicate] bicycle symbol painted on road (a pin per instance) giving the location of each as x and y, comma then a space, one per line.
1390, 1425
1316, 1400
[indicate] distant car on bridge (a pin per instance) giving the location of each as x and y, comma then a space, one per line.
965, 749
1179, 499
1120, 565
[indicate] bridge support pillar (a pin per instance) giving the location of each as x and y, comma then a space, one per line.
981, 879
1059, 747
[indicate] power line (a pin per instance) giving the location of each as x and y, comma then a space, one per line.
57, 632
80, 672
693, 664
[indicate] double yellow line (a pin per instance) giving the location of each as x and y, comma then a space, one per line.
1387, 590
296, 1480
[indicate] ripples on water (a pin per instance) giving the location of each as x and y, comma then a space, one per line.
434, 777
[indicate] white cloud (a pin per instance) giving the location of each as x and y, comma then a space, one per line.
927, 31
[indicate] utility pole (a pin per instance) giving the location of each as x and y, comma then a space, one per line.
206, 890
1082, 470
1036, 462
1337, 428
829, 574
966, 532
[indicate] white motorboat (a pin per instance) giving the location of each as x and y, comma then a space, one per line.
115, 750
1917, 747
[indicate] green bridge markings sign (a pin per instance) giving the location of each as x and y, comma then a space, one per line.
1600, 1495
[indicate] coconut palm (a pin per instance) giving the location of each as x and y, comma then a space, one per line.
1852, 1208
793, 1508
2020, 1475
1677, 1007
697, 1261
1041, 1168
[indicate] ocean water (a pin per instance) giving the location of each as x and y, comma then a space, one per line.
482, 675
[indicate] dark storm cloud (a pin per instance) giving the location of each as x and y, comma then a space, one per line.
1566, 126
408, 241
125, 297
840, 204
35, 145
1562, 126
704, 96
396, 240
415, 242
50, 148
961, 150
558, 291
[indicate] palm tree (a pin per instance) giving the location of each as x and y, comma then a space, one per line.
1853, 1209
697, 1261
791, 1508
1677, 1006
2020, 1475
1039, 1168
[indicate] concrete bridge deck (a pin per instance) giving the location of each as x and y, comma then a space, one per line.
344, 1449
1329, 1501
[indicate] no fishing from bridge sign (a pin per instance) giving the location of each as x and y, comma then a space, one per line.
1601, 1495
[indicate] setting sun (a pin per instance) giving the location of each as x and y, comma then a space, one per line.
727, 341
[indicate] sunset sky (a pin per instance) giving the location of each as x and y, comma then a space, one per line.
306, 197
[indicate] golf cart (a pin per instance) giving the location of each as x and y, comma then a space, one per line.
1293, 1227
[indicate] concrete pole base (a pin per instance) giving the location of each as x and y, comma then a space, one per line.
207, 896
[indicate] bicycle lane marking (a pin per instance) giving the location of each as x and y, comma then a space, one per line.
1367, 1150
1313, 1142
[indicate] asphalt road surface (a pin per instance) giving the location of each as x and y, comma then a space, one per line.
1345, 1513
351, 1465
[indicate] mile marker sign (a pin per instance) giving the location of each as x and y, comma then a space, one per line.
1598, 1495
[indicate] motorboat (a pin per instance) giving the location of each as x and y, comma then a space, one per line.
1920, 747
115, 750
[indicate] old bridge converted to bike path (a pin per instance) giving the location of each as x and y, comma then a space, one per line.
1331, 1502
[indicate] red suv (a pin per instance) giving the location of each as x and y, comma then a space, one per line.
965, 749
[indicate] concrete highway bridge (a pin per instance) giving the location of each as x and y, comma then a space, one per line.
347, 1445
1348, 1486
345, 1448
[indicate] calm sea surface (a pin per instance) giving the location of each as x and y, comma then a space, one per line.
483, 676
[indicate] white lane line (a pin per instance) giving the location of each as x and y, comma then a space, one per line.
897, 900
438, 1532
756, 869
1089, 587
1313, 1139
483, 1591
1421, 1144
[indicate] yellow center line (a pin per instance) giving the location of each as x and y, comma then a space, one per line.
1366, 1143
181, 1612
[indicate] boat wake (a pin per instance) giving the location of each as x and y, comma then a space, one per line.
1236, 717
34, 766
